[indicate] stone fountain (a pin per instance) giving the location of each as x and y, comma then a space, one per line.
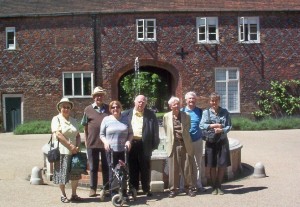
159, 167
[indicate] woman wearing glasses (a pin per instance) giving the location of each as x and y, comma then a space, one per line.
65, 129
115, 133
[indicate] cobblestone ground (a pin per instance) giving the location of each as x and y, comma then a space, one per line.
277, 150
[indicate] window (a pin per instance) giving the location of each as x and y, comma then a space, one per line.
227, 85
207, 30
77, 84
10, 38
249, 30
146, 29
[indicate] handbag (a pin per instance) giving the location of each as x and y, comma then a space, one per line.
79, 163
209, 135
53, 154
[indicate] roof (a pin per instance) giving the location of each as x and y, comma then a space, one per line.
10, 8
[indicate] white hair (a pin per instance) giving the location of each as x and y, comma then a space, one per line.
173, 99
190, 93
141, 96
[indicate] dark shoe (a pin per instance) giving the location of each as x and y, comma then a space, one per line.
201, 190
133, 193
215, 191
172, 194
220, 192
149, 194
126, 198
76, 198
191, 193
92, 193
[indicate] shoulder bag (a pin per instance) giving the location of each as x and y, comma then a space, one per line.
54, 153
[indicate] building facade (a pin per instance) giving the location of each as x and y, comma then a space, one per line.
235, 49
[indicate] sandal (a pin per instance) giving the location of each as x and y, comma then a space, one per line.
64, 199
76, 198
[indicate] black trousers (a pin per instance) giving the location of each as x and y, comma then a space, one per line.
93, 158
139, 166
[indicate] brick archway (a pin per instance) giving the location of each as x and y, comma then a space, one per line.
159, 68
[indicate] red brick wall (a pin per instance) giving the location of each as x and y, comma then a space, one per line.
47, 46
275, 58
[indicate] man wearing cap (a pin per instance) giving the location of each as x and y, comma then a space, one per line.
91, 120
145, 140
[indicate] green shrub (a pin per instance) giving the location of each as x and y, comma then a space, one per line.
34, 127
283, 99
37, 127
240, 123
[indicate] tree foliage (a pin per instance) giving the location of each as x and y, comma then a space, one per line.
149, 84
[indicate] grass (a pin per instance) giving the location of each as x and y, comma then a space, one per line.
238, 123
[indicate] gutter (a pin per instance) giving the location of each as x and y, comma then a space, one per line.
142, 11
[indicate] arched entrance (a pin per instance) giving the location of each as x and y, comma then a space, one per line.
165, 71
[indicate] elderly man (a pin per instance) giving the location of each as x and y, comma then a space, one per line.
145, 140
91, 120
196, 136
179, 147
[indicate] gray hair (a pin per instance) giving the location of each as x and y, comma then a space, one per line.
190, 93
173, 99
214, 95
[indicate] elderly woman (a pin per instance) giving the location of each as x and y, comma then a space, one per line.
115, 133
217, 155
179, 147
66, 131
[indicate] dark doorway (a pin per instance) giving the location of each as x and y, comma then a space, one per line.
158, 87
13, 112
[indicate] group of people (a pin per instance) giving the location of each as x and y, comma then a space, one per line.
184, 144
107, 128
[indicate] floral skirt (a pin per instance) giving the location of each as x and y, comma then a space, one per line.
61, 172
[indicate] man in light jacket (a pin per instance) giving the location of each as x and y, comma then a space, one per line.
179, 147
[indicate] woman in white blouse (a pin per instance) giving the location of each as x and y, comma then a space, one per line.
65, 129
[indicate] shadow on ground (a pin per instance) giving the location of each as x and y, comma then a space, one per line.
247, 171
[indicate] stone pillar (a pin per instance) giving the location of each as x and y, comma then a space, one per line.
158, 161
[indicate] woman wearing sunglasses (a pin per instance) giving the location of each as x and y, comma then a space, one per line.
115, 133
65, 129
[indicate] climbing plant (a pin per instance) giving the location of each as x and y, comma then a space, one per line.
283, 99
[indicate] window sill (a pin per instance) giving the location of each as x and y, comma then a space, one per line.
11, 49
249, 42
208, 43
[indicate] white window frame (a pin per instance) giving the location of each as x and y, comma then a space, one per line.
82, 85
144, 30
208, 21
10, 30
225, 93
244, 28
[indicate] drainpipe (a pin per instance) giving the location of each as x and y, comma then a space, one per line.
96, 78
